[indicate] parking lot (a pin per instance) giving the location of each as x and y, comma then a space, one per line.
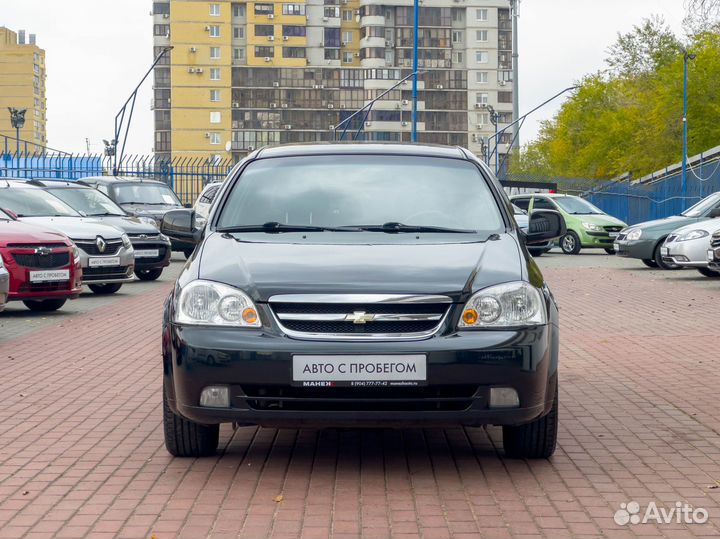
81, 450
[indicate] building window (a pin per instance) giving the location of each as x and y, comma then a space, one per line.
481, 35
214, 96
331, 11
481, 57
457, 57
214, 138
238, 10
214, 30
293, 9
214, 73
347, 58
162, 141
457, 36
215, 117
332, 54
347, 15
264, 9
331, 37
347, 37
264, 52
214, 10
294, 31
238, 32
263, 30
481, 14
214, 53
238, 54
483, 118
293, 52
481, 77
161, 30
161, 8
504, 97
482, 98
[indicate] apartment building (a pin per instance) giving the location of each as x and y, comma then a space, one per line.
242, 75
22, 86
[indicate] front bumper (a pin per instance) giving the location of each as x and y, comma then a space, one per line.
4, 287
591, 239
643, 249
714, 260
116, 268
461, 369
691, 253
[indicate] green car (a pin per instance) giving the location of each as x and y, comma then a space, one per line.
587, 225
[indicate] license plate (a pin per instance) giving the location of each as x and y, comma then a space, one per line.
105, 261
613, 234
665, 251
710, 255
359, 371
147, 253
49, 276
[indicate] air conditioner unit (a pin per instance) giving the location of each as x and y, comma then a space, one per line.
207, 135
331, 127
250, 148
356, 55
331, 106
236, 105
439, 87
273, 105
191, 70
403, 124
193, 49
285, 38
267, 58
271, 38
345, 43
287, 126
166, 15
389, 43
405, 102
199, 70
284, 105
480, 126
276, 84
316, 86
207, 28
368, 124
342, 105
325, 19
502, 83
271, 16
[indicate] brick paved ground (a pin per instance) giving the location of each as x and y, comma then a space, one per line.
81, 451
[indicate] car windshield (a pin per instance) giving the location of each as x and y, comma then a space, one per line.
389, 192
702, 207
34, 203
577, 206
145, 193
87, 201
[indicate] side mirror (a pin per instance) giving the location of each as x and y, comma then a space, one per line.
715, 212
545, 225
180, 225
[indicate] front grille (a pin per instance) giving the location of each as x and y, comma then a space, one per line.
111, 248
110, 272
44, 287
613, 228
715, 241
54, 260
144, 236
35, 245
418, 398
360, 319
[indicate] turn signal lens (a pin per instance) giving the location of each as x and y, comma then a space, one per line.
250, 315
470, 316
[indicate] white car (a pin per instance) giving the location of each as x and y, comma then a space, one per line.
688, 246
205, 201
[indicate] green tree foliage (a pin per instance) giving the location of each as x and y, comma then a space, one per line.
629, 118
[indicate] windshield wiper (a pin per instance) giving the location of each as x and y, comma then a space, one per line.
393, 227
104, 214
274, 226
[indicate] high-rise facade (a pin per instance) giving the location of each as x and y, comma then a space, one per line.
22, 86
242, 75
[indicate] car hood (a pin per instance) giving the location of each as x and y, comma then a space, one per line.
668, 224
21, 232
150, 210
398, 266
77, 228
599, 219
130, 225
710, 226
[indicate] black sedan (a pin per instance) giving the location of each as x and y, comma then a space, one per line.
361, 285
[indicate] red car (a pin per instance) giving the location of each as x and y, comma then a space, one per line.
44, 265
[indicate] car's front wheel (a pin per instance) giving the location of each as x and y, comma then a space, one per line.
650, 263
610, 250
570, 243
149, 274
107, 288
534, 440
45, 305
707, 272
657, 256
185, 438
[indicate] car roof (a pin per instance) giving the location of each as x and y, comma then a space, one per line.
17, 183
122, 179
57, 182
362, 148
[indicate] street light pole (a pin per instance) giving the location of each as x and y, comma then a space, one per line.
17, 120
494, 121
686, 56
416, 12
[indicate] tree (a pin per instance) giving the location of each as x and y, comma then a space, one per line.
702, 15
644, 49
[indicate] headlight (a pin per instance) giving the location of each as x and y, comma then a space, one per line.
208, 303
200, 221
692, 235
76, 254
634, 234
509, 304
148, 220
126, 241
593, 227
2, 264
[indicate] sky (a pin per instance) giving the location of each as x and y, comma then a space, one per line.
98, 50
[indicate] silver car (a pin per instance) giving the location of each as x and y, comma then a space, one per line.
205, 201
106, 253
688, 245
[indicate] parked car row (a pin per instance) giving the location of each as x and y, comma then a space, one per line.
680, 241
56, 235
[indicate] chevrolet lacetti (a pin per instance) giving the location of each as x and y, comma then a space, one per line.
356, 285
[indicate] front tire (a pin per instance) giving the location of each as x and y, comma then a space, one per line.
570, 243
45, 305
105, 289
149, 274
534, 440
657, 257
707, 272
650, 263
610, 250
184, 438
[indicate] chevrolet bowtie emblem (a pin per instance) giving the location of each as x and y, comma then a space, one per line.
101, 245
360, 317
43, 251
